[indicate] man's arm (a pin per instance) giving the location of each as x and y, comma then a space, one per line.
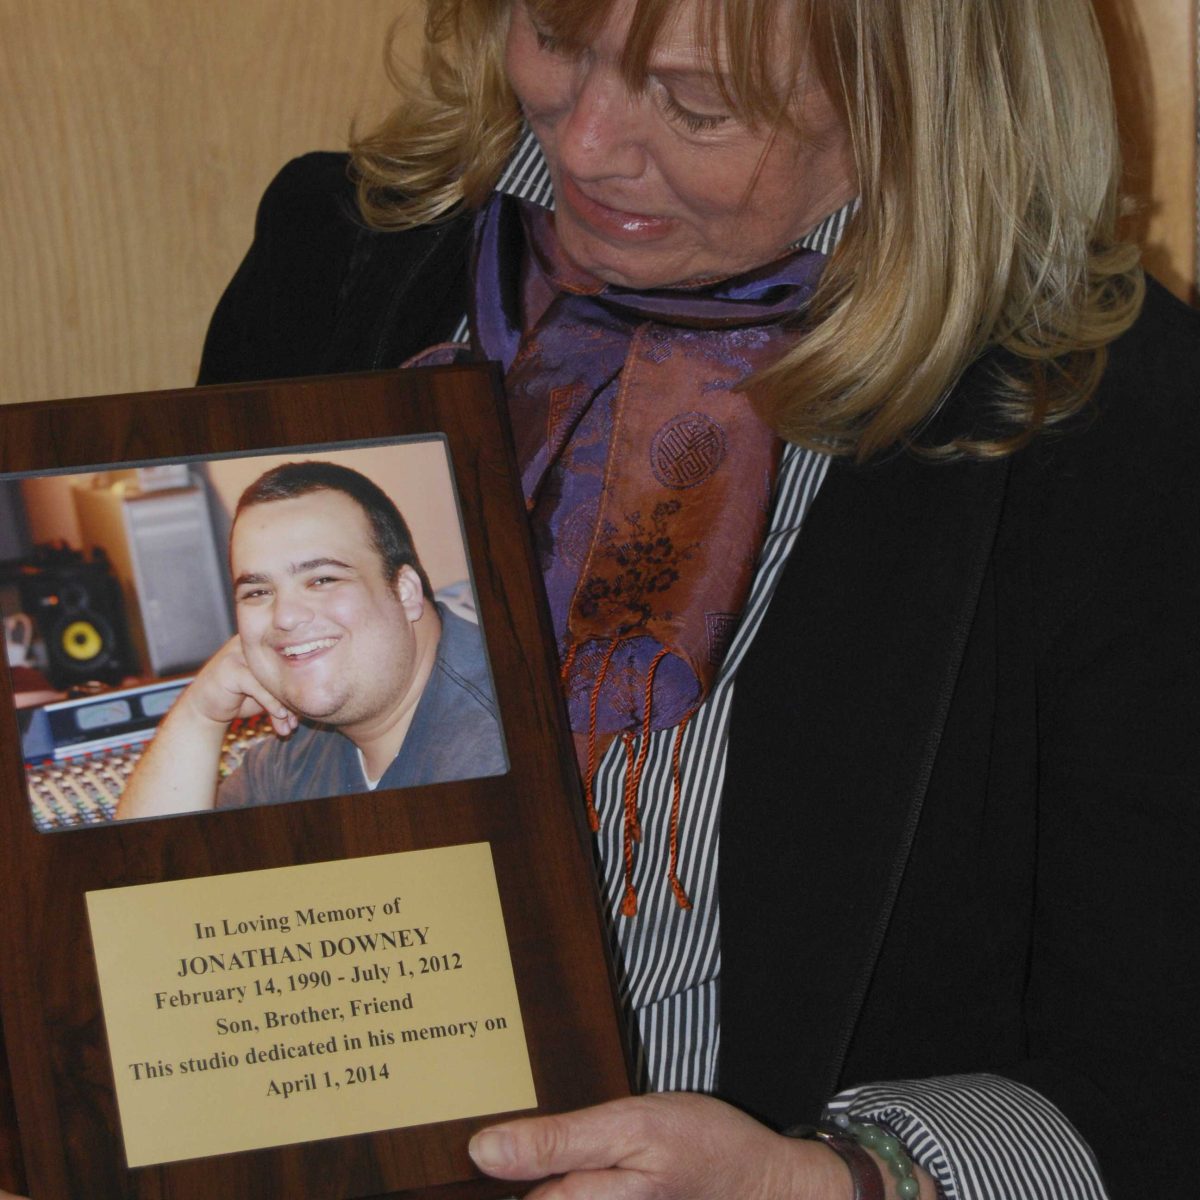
178, 771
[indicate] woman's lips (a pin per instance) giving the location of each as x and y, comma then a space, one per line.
611, 222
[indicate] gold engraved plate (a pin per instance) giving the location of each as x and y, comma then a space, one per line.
299, 1003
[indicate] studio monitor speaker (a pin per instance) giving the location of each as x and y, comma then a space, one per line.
77, 608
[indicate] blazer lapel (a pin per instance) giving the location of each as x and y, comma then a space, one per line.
838, 711
403, 292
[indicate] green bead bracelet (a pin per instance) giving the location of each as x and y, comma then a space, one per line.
887, 1146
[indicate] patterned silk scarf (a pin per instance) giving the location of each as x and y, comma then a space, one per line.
646, 473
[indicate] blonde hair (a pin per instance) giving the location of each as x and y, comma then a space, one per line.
985, 147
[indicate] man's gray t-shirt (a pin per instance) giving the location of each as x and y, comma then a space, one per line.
455, 734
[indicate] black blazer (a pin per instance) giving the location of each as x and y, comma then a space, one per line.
961, 822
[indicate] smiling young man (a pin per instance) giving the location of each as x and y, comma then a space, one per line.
366, 680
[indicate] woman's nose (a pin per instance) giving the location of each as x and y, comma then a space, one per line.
600, 135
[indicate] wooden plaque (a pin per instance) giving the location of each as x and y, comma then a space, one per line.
236, 1002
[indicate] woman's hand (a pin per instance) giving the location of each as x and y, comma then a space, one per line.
673, 1146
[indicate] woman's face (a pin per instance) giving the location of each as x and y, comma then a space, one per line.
668, 186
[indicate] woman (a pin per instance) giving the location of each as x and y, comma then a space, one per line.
952, 793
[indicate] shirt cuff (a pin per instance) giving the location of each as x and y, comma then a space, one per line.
981, 1136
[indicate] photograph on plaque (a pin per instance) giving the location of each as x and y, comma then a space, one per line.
331, 584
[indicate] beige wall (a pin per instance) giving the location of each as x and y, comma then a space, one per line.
1152, 45
138, 135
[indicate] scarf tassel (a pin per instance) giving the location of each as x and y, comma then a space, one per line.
589, 778
681, 897
634, 766
631, 824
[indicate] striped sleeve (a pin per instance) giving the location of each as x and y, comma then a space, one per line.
981, 1137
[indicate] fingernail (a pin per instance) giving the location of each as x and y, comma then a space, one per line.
491, 1149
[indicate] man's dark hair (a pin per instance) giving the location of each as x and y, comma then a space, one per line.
389, 531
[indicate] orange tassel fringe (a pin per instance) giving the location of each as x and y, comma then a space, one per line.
634, 766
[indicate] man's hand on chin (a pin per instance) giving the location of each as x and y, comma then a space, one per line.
226, 689
179, 770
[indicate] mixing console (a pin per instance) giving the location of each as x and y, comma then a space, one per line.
79, 753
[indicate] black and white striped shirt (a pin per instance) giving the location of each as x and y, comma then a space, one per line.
982, 1137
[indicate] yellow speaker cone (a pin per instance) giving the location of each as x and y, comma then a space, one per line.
81, 641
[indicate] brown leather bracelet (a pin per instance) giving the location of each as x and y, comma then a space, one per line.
864, 1170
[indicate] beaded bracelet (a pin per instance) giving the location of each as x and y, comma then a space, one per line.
865, 1176
850, 1140
887, 1146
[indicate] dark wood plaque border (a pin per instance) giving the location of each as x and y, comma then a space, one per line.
532, 817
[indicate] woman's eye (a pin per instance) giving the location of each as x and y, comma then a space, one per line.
692, 121
549, 44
